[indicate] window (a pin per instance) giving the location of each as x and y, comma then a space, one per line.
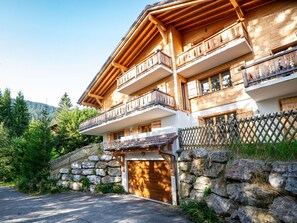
216, 82
145, 128
118, 135
220, 118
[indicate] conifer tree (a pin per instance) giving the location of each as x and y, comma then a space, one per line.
21, 115
6, 110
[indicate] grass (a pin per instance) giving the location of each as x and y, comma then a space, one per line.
199, 212
8, 184
282, 151
110, 188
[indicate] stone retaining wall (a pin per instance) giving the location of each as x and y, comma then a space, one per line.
240, 190
99, 169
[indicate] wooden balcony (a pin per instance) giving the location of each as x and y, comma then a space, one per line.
150, 106
273, 76
150, 70
226, 45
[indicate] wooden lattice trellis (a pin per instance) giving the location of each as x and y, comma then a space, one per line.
271, 128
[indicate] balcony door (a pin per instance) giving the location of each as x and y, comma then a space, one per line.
185, 99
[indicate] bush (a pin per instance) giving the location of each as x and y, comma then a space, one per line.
110, 188
85, 183
198, 211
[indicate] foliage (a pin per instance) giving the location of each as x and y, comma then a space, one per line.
206, 192
6, 109
21, 116
110, 188
37, 145
283, 151
6, 156
68, 137
86, 183
199, 211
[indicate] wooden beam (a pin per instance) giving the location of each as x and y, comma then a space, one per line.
160, 26
95, 96
121, 67
121, 161
238, 10
90, 105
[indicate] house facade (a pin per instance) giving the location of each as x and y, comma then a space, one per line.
188, 63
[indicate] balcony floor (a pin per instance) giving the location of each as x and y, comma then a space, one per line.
219, 56
273, 88
138, 117
149, 77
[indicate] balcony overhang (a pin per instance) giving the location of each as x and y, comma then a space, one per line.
273, 88
142, 116
149, 77
231, 51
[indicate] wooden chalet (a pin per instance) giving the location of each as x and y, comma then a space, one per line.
186, 63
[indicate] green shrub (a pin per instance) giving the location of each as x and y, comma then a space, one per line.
86, 183
198, 211
110, 188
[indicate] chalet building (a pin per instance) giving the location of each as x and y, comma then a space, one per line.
187, 63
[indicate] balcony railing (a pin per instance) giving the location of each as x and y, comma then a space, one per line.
211, 44
279, 65
152, 98
158, 58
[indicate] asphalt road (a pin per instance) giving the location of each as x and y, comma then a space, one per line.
82, 207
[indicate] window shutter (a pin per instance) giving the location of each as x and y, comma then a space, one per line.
156, 125
193, 90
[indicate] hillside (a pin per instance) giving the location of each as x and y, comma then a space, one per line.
35, 109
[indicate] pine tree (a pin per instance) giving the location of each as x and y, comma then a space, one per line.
21, 115
6, 110
64, 103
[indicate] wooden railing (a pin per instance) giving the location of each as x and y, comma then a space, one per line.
154, 97
211, 44
278, 65
272, 128
156, 59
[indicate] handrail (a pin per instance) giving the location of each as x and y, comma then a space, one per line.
153, 97
278, 65
212, 43
148, 63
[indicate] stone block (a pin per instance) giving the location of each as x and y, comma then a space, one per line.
245, 170
248, 214
114, 171
199, 153
65, 177
197, 195
185, 155
219, 156
113, 163
92, 188
87, 165
94, 179
220, 205
198, 166
76, 178
279, 167
87, 172
55, 176
202, 183
214, 170
64, 170
110, 179
184, 166
76, 171
259, 195
291, 185
187, 178
101, 165
277, 181
284, 208
105, 157
101, 172
64, 184
76, 186
185, 189
93, 158
76, 165
219, 187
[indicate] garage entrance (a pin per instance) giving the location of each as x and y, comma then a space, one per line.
150, 179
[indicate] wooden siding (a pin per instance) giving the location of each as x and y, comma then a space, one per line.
150, 179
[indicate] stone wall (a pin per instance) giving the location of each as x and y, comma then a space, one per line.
241, 190
99, 169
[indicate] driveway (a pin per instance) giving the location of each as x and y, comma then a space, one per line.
82, 207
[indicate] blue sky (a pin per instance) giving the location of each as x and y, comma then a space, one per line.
48, 47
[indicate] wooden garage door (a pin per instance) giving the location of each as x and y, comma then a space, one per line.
150, 179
